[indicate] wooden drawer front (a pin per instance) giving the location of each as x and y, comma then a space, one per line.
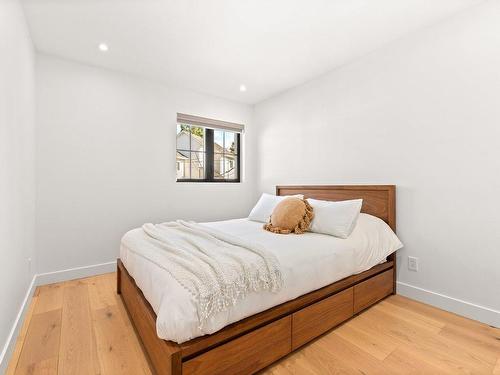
313, 320
247, 354
370, 291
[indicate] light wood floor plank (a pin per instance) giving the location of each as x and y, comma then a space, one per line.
45, 367
102, 291
407, 315
496, 370
483, 346
50, 298
41, 348
310, 359
78, 352
440, 351
21, 338
116, 350
82, 327
397, 329
441, 315
404, 361
349, 356
291, 365
485, 339
370, 342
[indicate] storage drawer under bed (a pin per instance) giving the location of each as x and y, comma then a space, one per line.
246, 354
316, 319
313, 320
372, 290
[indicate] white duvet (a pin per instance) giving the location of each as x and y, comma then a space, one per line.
308, 262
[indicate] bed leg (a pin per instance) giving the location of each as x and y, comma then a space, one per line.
118, 277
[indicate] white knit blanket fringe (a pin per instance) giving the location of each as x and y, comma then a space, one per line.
218, 269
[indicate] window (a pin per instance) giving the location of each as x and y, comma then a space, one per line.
207, 150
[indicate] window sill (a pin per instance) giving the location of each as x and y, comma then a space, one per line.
209, 181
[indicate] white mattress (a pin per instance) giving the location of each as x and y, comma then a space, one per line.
309, 262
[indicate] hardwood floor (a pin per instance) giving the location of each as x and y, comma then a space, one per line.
81, 327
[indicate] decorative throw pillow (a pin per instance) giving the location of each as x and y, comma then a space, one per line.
291, 215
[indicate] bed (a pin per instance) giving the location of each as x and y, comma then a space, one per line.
263, 328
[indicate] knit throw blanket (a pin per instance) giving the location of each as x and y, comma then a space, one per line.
216, 268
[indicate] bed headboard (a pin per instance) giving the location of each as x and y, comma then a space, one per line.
378, 200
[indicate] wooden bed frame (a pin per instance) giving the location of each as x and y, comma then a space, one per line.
253, 343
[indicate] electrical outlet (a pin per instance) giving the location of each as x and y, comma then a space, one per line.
413, 264
29, 265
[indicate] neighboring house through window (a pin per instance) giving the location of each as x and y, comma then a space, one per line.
207, 150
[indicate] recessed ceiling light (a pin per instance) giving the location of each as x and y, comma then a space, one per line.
103, 47
243, 88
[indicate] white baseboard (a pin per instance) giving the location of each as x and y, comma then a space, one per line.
16, 327
43, 279
75, 273
454, 305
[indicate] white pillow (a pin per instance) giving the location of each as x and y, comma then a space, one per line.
265, 206
373, 241
335, 218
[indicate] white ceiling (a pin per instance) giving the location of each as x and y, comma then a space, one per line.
213, 46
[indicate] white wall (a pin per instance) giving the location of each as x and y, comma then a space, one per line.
17, 168
106, 161
422, 113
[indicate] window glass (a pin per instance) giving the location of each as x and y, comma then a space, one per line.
225, 155
195, 161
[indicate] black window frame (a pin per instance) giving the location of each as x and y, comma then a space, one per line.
209, 159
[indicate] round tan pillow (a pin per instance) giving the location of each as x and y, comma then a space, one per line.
291, 215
